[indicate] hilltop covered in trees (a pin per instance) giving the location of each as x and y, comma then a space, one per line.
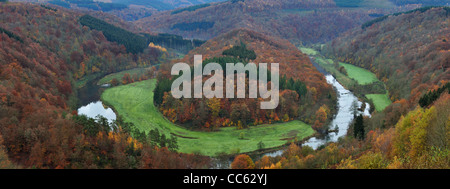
303, 90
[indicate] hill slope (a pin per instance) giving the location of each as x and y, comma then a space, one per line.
42, 52
298, 21
410, 52
268, 49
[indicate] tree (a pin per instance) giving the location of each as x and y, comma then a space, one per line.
240, 52
114, 82
354, 108
154, 136
76, 57
261, 145
126, 79
5, 162
240, 112
321, 118
242, 161
358, 128
264, 162
214, 106
162, 141
173, 143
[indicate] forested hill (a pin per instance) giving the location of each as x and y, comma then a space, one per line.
303, 90
301, 21
86, 44
268, 49
43, 51
409, 51
125, 9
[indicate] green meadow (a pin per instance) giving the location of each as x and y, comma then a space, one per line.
360, 75
381, 101
134, 102
308, 51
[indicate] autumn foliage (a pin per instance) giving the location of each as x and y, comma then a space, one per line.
300, 21
242, 161
302, 87
43, 52
409, 52
419, 140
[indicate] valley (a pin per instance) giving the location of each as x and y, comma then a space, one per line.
363, 84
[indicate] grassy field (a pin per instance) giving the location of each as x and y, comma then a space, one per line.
361, 75
308, 51
380, 101
135, 103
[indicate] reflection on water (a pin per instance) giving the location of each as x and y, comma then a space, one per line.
96, 108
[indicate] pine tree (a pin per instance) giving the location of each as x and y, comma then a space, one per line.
358, 129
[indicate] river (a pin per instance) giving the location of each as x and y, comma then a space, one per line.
341, 120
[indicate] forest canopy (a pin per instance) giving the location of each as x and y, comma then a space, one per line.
134, 43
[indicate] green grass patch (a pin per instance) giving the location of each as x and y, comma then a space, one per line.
134, 102
361, 75
381, 101
308, 51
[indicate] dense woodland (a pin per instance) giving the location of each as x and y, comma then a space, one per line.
173, 42
301, 22
133, 43
304, 93
408, 52
42, 52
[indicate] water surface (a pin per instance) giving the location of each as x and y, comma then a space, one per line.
96, 108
